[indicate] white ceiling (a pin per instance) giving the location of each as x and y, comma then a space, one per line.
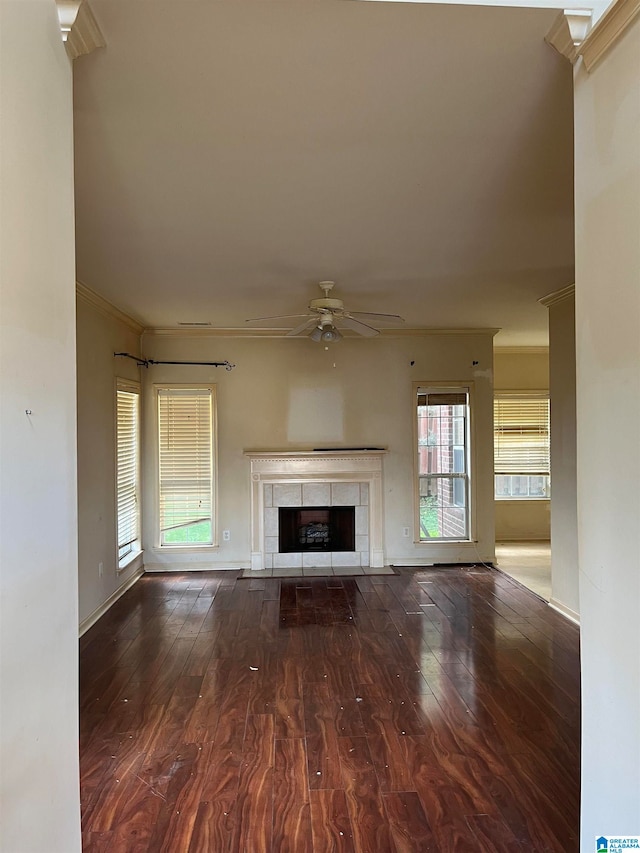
231, 154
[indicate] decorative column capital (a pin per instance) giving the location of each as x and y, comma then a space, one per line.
80, 31
568, 32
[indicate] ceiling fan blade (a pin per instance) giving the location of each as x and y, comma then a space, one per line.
380, 318
277, 317
357, 326
310, 321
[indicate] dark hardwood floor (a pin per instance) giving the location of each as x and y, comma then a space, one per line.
433, 710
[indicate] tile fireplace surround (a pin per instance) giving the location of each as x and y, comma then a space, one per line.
316, 478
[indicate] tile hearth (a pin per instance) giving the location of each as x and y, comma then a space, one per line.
317, 572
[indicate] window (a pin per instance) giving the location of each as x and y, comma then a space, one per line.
443, 463
128, 469
186, 465
521, 443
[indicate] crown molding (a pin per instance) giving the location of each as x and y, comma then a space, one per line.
106, 308
67, 14
282, 333
558, 296
573, 35
568, 32
611, 26
80, 31
498, 350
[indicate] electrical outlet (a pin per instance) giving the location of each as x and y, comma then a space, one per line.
405, 532
226, 535
100, 569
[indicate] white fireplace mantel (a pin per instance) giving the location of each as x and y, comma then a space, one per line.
315, 466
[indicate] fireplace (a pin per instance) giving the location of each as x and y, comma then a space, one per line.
318, 528
313, 480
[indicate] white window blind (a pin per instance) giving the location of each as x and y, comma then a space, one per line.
185, 434
442, 398
128, 468
521, 433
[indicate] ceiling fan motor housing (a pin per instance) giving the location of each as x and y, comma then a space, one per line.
326, 304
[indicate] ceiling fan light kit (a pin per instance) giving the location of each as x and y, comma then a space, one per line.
330, 335
326, 313
325, 331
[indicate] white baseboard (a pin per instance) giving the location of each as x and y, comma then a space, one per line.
232, 565
442, 560
93, 618
533, 537
565, 611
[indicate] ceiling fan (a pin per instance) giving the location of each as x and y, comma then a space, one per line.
327, 315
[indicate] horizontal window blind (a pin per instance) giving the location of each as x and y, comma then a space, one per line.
185, 457
521, 433
442, 398
127, 413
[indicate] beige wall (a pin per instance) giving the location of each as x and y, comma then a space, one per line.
39, 796
607, 168
520, 520
98, 337
527, 370
295, 394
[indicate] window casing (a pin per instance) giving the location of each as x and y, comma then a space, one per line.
521, 446
443, 464
186, 465
127, 469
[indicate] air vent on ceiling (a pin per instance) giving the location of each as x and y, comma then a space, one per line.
195, 323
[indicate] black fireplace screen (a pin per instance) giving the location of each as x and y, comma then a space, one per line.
317, 528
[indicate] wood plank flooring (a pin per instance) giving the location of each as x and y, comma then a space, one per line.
434, 710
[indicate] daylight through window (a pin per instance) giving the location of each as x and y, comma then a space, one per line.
443, 463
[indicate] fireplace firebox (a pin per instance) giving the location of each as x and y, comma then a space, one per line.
316, 528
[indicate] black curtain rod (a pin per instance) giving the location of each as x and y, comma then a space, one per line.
145, 362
